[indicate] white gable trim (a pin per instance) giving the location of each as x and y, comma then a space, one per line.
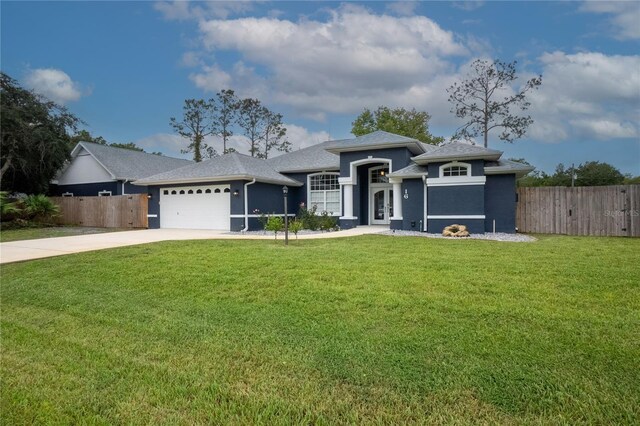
80, 144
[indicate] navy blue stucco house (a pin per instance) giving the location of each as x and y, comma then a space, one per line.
375, 179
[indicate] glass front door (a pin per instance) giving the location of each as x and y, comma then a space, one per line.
381, 205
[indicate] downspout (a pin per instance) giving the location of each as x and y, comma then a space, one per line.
246, 205
123, 182
424, 207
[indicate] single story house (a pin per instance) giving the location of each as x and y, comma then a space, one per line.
102, 170
376, 179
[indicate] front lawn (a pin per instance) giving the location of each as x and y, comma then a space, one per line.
372, 329
7, 235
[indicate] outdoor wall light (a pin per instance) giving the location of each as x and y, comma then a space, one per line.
406, 194
236, 193
149, 196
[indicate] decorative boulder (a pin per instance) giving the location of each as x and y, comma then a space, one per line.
455, 231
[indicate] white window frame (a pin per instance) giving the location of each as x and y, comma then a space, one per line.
372, 169
324, 191
466, 166
67, 194
105, 193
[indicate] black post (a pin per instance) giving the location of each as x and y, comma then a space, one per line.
285, 191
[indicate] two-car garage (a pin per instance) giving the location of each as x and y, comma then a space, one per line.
195, 207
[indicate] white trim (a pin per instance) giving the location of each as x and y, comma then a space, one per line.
455, 163
67, 194
94, 157
348, 217
457, 181
238, 216
454, 216
105, 193
152, 215
480, 156
352, 179
246, 205
389, 202
339, 190
214, 180
424, 204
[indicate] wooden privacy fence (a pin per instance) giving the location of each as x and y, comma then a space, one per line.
589, 210
120, 211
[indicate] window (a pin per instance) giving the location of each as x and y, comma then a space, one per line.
207, 191
182, 192
217, 191
199, 191
67, 194
104, 194
165, 192
227, 190
324, 193
455, 169
190, 191
173, 192
380, 175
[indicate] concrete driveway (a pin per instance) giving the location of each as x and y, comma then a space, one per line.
17, 251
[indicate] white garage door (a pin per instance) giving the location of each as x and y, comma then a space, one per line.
195, 207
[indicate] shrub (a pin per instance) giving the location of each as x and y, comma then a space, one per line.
275, 224
263, 219
295, 226
309, 218
40, 208
327, 222
8, 209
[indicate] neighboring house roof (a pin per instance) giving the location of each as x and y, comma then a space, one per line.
232, 166
457, 151
126, 164
506, 167
376, 140
312, 158
412, 170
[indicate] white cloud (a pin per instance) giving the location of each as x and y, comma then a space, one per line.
352, 60
468, 5
402, 8
587, 95
624, 16
301, 137
183, 10
54, 84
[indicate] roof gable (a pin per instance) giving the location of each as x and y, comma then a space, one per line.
376, 140
457, 151
312, 158
127, 164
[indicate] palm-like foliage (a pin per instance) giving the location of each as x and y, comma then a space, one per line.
41, 207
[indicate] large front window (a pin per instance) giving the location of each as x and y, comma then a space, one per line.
324, 193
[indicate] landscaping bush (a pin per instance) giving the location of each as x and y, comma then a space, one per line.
275, 224
327, 222
295, 226
9, 210
310, 220
40, 208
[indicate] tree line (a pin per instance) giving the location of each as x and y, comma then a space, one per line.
590, 173
222, 116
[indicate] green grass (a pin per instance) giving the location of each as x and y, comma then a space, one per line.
7, 235
373, 329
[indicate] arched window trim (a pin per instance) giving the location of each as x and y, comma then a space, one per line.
373, 169
309, 191
467, 166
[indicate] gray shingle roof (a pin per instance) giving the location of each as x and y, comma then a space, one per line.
412, 170
457, 150
378, 139
506, 166
232, 166
312, 158
126, 164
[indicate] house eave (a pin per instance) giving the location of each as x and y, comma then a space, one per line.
424, 161
141, 182
309, 170
417, 148
496, 170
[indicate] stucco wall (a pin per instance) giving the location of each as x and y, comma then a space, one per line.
500, 203
412, 207
86, 189
455, 200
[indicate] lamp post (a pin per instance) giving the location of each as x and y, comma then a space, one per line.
285, 191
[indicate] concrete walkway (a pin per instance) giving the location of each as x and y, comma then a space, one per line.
17, 251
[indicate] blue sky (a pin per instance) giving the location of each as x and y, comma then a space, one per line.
126, 67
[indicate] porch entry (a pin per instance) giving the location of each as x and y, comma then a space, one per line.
380, 196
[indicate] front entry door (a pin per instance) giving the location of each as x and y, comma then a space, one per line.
381, 203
